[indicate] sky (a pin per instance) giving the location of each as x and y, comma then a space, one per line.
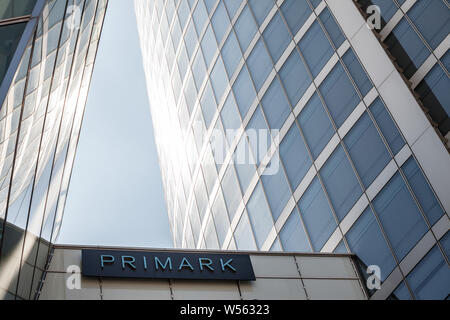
116, 196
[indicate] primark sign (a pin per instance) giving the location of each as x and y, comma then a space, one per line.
166, 265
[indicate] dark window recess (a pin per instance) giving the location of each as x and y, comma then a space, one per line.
9, 39
435, 109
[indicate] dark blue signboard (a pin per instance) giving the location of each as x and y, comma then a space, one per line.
166, 265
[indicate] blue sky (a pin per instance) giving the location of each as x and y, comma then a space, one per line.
116, 196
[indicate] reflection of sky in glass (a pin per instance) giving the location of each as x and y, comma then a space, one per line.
115, 196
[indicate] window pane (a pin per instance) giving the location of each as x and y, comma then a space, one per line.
423, 12
13, 8
430, 279
277, 37
230, 118
220, 22
259, 64
231, 54
245, 28
277, 190
295, 12
295, 77
220, 218
208, 105
232, 6
209, 46
422, 191
219, 79
211, 236
399, 216
315, 48
367, 150
358, 74
340, 182
275, 105
317, 215
260, 216
231, 191
332, 28
367, 242
200, 16
339, 94
294, 156
9, 39
293, 235
261, 9
244, 163
244, 91
257, 132
387, 126
316, 125
244, 235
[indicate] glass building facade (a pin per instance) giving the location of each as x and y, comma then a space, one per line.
47, 53
359, 167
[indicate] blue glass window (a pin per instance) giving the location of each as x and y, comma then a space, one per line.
200, 16
367, 242
293, 234
259, 215
199, 69
295, 77
244, 91
221, 221
411, 43
340, 182
315, 48
275, 105
296, 13
387, 126
317, 215
220, 22
438, 81
231, 191
357, 72
332, 28
437, 12
422, 191
261, 9
430, 279
190, 39
339, 94
316, 125
399, 215
244, 163
341, 248
277, 190
294, 156
210, 5
367, 150
402, 292
277, 37
244, 235
219, 79
245, 28
232, 7
257, 123
230, 117
209, 46
259, 64
231, 54
208, 105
